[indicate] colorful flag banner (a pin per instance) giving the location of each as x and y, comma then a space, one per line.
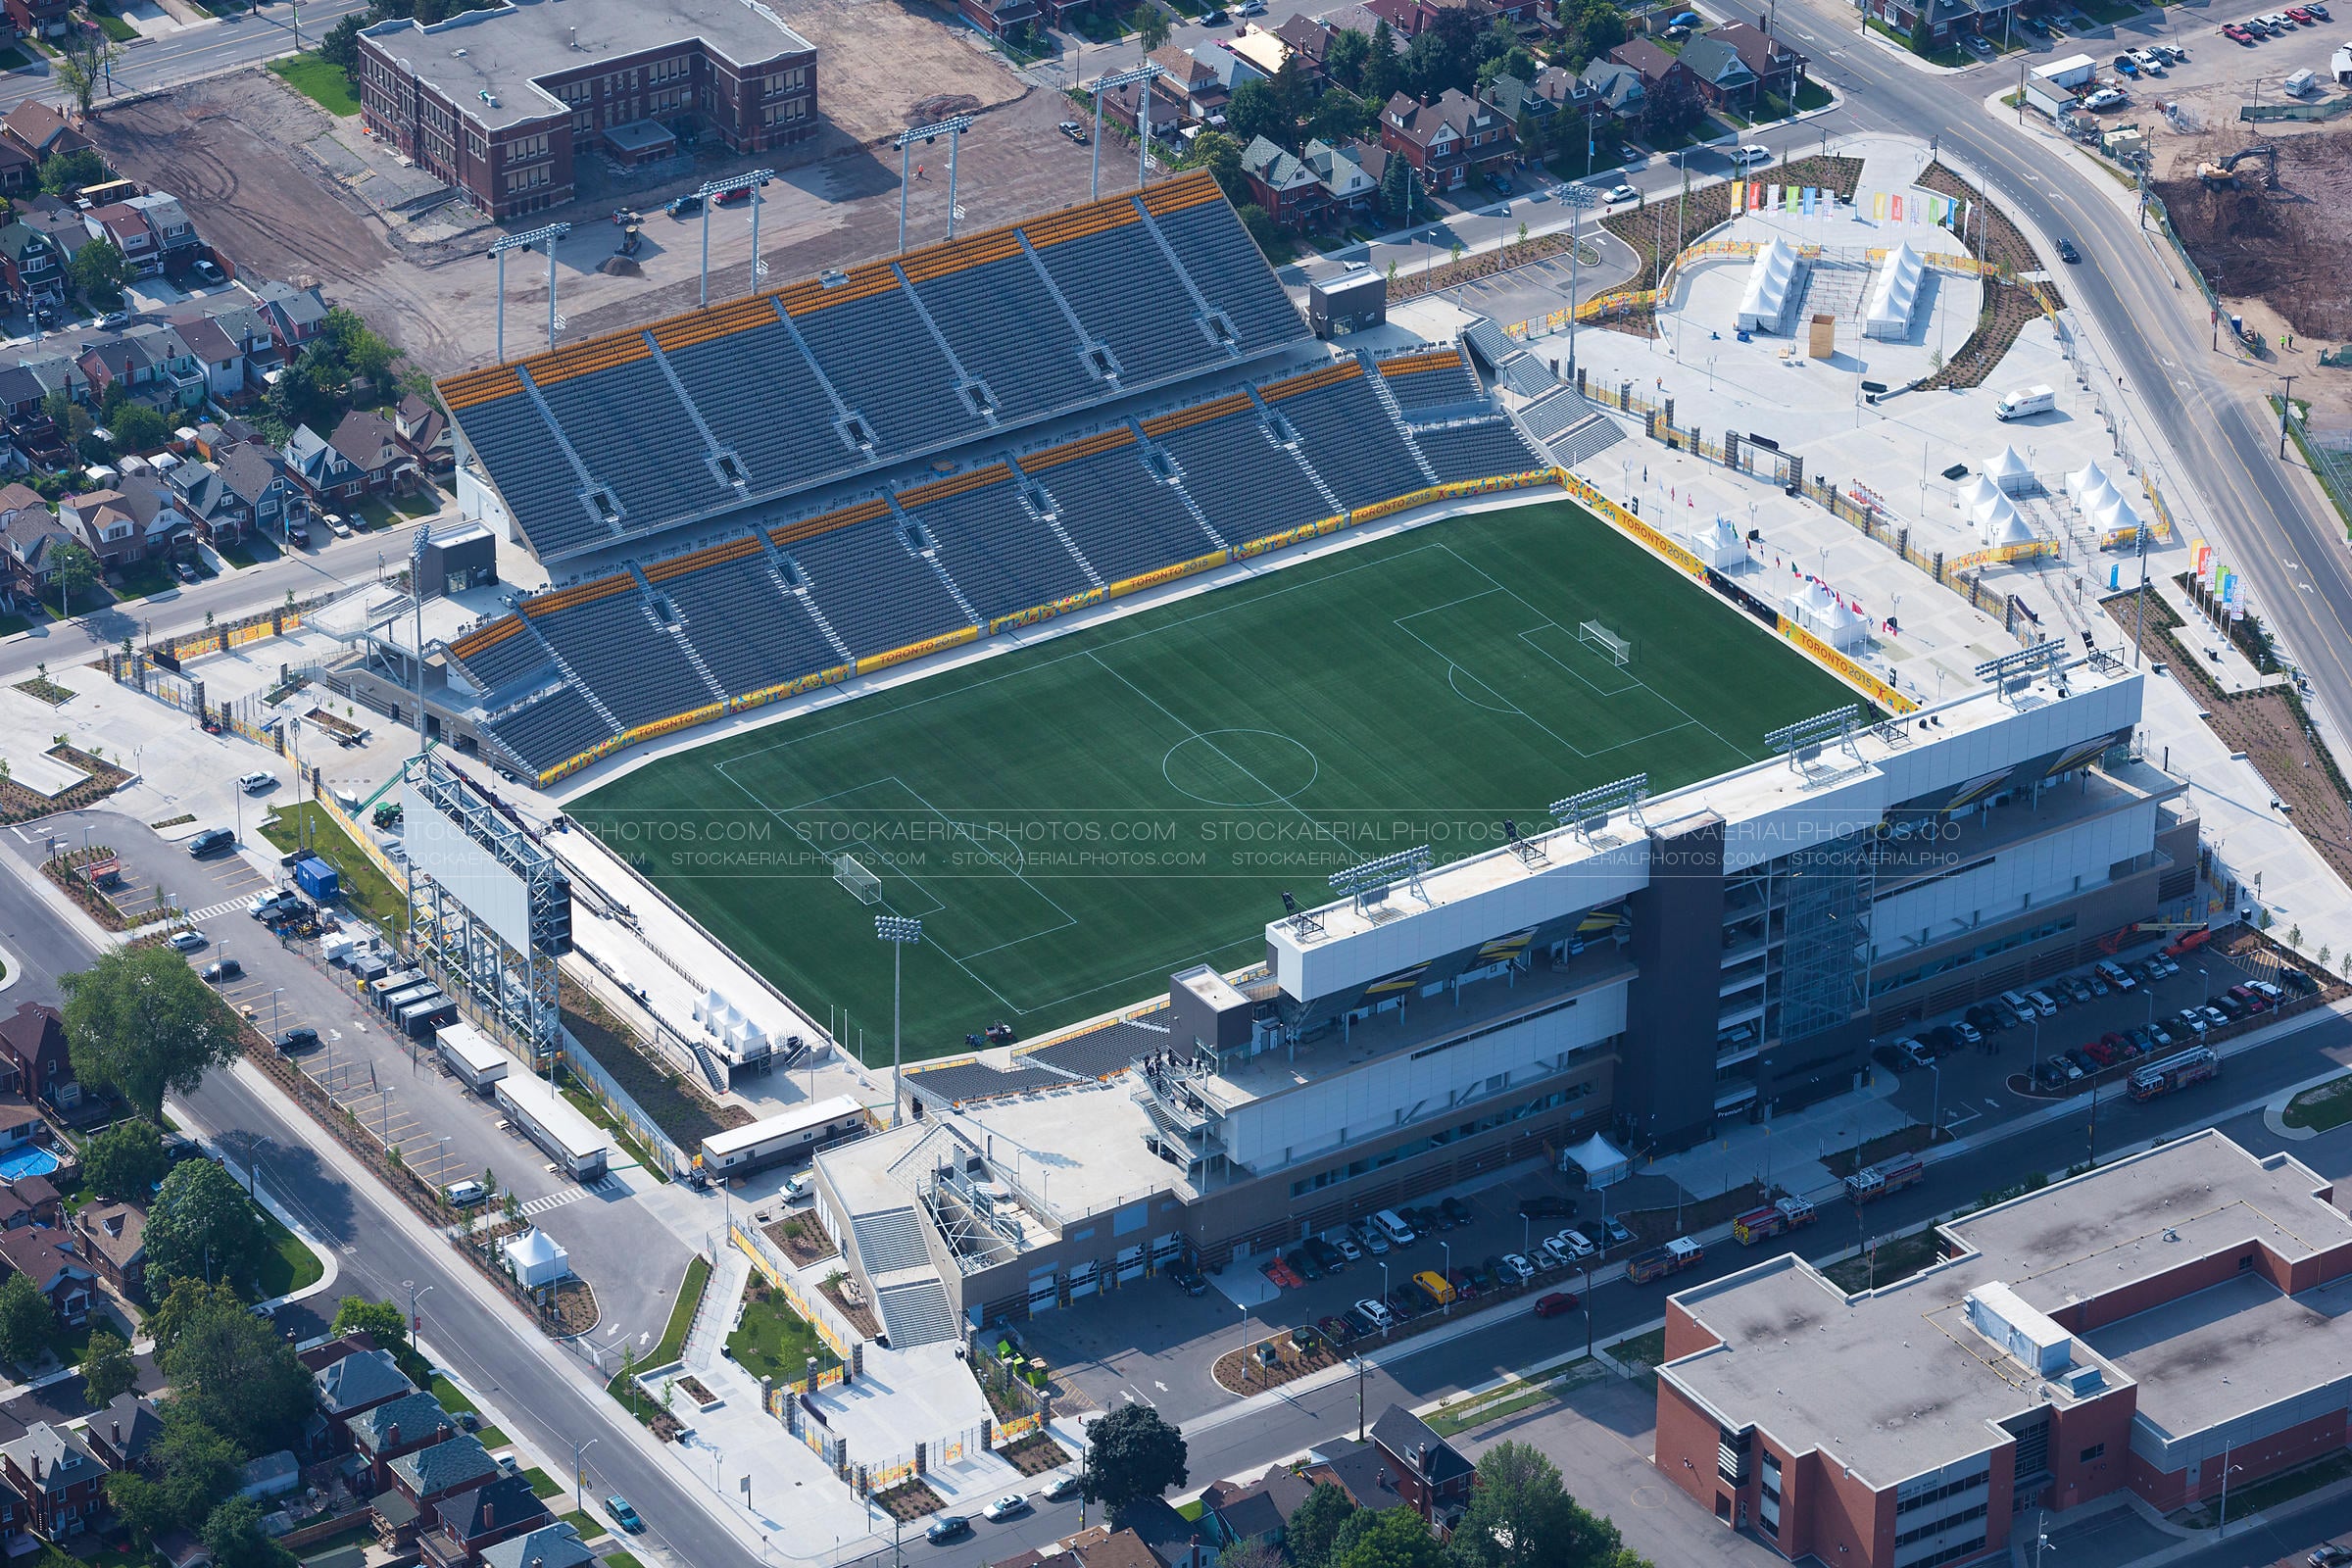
1772, 197
1738, 194
1898, 206
1788, 198
1878, 204
1755, 195
1812, 193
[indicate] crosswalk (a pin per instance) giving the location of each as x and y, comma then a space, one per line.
607, 1186
213, 911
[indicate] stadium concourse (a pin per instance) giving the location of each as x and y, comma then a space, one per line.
772, 495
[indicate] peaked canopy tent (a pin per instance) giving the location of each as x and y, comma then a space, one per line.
1720, 544
1976, 492
1895, 298
2015, 531
2090, 476
1599, 1159
2097, 497
1768, 285
1994, 517
2011, 472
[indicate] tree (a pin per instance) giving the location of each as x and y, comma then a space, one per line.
1221, 156
107, 1368
139, 1022
1384, 69
1152, 28
136, 426
234, 1539
1253, 111
1307, 1537
233, 1372
64, 174
82, 60
202, 1226
1263, 229
1670, 109
1134, 1455
26, 1322
381, 1321
1395, 191
1923, 32
341, 45
1252, 1554
1346, 56
1342, 117
126, 1161
1519, 1516
1294, 91
1394, 1539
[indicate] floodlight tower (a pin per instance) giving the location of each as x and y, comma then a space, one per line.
896, 930
1578, 199
1147, 74
953, 129
753, 180
523, 242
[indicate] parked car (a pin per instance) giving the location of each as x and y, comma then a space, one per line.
1376, 1313
1518, 1267
948, 1527
1452, 1212
1325, 1257
1373, 1242
1301, 1264
1344, 1244
2126, 65
1359, 1322
212, 841
685, 205
1620, 193
223, 970
2238, 34
185, 573
1579, 1246
258, 780
1555, 1304
187, 941
302, 1037
1062, 1488
464, 1193
1188, 1279
1618, 1232
1009, 1506
1547, 1206
1074, 130
1978, 45
1335, 1328
2066, 1070
2330, 1555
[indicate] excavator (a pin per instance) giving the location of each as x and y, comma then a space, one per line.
2223, 175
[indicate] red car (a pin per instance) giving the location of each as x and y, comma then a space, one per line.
2238, 34
1558, 1304
732, 198
2303, 16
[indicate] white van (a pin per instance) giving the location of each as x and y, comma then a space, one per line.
2017, 1004
2301, 82
1394, 1227
2043, 1004
2032, 400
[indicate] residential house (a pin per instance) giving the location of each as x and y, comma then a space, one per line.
357, 1384
249, 327
31, 262
17, 171
127, 227
121, 1435
61, 221
1431, 1474
1360, 1470
1307, 41
1282, 184
443, 1470
1253, 1512
1356, 17
1346, 185
556, 1546
32, 1039
19, 1119
1260, 49
426, 432
401, 1426
272, 1475
464, 1525
1652, 63
1096, 1547
1174, 1541
1722, 77
38, 126
29, 534
1170, 110
295, 315
21, 389
1617, 89
318, 468
1948, 20
61, 1480
255, 476
46, 1256
372, 445
176, 241
139, 519
1449, 141
30, 1200
218, 514
221, 357
113, 1238
1197, 89
316, 1355
1778, 67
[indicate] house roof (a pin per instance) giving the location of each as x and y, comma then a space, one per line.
1763, 55
1341, 170
556, 1546
1274, 166
202, 493
249, 468
62, 224
1645, 57
127, 1427
41, 127
205, 338
1618, 84
1116, 1549
116, 1231
1168, 1534
1420, 123
18, 237
164, 213
313, 457
367, 440
31, 532
414, 1415
124, 223
302, 308
1306, 36
365, 1377
1712, 60
1262, 1508
1362, 1472
497, 1504
445, 1467
42, 1255
1192, 74
1411, 1442
58, 1455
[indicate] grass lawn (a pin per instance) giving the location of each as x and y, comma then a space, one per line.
2254, 1496
774, 1340
144, 579
2108, 15
594, 1110
321, 81
290, 1265
619, 1559
2327, 1106
543, 1485
1573, 165
113, 26
238, 555
453, 1398
10, 625
586, 1525
987, 799
365, 887
416, 505
1811, 94
1942, 57
357, 1534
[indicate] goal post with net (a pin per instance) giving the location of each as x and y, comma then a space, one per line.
863, 885
1617, 650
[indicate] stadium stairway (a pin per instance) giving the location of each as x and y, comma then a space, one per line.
914, 1311
928, 555
890, 1241
1278, 430
1028, 490
798, 594
1216, 540
1387, 400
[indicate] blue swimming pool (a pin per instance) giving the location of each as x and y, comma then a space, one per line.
27, 1163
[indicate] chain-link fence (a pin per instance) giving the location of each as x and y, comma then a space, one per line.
2330, 454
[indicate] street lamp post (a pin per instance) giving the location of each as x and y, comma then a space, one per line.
1935, 1102
416, 1294
1447, 1248
580, 1476
896, 930
1388, 1312
1578, 198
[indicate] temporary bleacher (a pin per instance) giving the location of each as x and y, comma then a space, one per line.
1127, 519
876, 593
1476, 449
557, 725
1249, 486
605, 634
1349, 438
1432, 381
1001, 557
834, 375
738, 618
1004, 324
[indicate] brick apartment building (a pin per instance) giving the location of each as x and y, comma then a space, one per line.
500, 103
2152, 1324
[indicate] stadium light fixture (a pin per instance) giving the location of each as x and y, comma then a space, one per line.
1147, 74
1587, 811
953, 129
896, 930
535, 239
1803, 741
1578, 199
753, 180
2012, 672
1369, 882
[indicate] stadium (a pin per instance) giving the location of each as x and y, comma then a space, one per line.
1330, 794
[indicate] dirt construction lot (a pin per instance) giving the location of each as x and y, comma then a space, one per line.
227, 147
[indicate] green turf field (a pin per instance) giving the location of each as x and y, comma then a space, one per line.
1075, 821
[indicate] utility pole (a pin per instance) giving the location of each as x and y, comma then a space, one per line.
2286, 404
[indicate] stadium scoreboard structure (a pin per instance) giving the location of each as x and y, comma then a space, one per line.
488, 907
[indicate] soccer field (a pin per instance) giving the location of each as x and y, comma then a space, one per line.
1073, 821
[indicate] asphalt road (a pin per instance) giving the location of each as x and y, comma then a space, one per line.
236, 40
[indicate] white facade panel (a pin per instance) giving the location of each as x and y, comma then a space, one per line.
2023, 877
1400, 1089
477, 879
